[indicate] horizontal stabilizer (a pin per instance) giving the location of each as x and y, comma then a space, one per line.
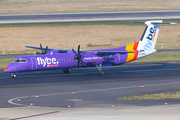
155, 22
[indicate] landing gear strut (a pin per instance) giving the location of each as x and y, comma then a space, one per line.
66, 70
13, 75
100, 72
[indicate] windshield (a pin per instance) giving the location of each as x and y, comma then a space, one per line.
17, 61
23, 61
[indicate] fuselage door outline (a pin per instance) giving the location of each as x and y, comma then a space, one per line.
34, 63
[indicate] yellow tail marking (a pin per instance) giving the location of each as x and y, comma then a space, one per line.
130, 56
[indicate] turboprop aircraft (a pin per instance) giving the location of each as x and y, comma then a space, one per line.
51, 59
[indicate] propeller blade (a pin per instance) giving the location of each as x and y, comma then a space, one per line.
46, 50
78, 57
78, 50
78, 64
82, 62
41, 48
74, 51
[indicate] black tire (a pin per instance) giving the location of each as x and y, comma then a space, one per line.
101, 72
13, 76
66, 70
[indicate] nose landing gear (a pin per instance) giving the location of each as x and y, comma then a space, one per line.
13, 75
66, 70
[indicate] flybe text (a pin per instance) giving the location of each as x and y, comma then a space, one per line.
150, 38
46, 61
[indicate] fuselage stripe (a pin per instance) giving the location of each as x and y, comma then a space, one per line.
130, 56
135, 49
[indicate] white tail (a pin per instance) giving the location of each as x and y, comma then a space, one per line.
148, 40
149, 37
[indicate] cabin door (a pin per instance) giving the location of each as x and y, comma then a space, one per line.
34, 63
117, 58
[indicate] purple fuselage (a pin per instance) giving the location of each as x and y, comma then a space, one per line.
65, 61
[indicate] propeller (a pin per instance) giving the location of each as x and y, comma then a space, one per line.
43, 51
78, 57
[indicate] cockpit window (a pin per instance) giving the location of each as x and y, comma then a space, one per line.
23, 61
17, 61
20, 61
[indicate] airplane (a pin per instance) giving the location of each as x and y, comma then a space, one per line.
67, 59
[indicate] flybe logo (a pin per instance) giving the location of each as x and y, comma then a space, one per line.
150, 38
50, 62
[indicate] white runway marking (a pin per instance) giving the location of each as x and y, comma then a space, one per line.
95, 90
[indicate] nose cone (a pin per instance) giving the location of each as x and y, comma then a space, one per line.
6, 69
9, 68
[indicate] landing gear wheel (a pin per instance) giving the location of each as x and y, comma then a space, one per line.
13, 75
66, 70
101, 72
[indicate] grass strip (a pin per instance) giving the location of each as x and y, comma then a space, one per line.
156, 96
69, 6
127, 22
70, 24
5, 62
166, 56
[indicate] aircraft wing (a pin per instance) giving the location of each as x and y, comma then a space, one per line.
48, 49
60, 50
39, 47
114, 52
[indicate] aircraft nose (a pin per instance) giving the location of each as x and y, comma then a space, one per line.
5, 69
9, 69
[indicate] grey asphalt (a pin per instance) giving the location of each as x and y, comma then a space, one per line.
91, 90
100, 16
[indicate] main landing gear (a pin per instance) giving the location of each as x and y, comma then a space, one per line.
66, 71
100, 72
13, 75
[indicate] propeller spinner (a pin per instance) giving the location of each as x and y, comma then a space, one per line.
78, 56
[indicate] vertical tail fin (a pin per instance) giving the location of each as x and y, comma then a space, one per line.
146, 45
149, 37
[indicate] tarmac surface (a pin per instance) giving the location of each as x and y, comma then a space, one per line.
96, 16
93, 93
